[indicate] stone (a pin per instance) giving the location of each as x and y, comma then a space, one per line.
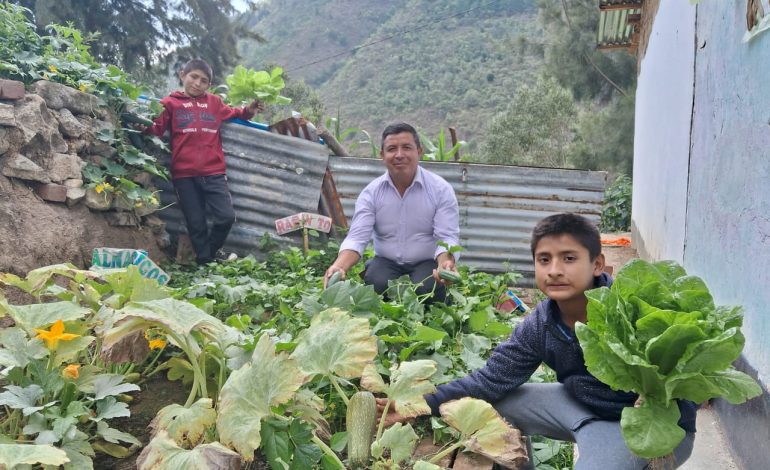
75, 196
51, 192
73, 183
122, 219
62, 166
40, 131
58, 96
122, 204
69, 125
154, 223
7, 115
21, 167
76, 146
98, 201
11, 90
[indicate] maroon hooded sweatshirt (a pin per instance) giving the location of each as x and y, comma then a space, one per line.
196, 144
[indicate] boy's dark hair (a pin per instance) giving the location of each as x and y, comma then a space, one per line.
398, 128
198, 64
577, 226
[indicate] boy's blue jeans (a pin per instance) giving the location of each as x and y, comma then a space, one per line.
549, 410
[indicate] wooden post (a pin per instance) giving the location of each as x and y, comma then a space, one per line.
453, 135
332, 143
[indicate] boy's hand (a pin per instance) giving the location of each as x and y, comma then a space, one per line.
256, 106
391, 417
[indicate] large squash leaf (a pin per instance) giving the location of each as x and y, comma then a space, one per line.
249, 393
185, 425
18, 349
41, 315
485, 432
12, 455
399, 439
162, 453
408, 383
335, 344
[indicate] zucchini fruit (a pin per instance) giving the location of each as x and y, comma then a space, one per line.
450, 276
361, 418
334, 278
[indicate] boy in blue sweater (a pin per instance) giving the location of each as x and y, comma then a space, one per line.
579, 408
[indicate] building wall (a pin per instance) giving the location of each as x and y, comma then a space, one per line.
662, 134
720, 227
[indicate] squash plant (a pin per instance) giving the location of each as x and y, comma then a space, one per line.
657, 332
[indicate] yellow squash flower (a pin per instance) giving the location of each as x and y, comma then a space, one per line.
157, 344
71, 371
83, 87
54, 335
53, 68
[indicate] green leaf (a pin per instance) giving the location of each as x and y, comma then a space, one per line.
163, 453
185, 426
484, 431
113, 435
399, 439
109, 408
408, 383
41, 315
427, 334
735, 387
651, 430
339, 441
12, 455
306, 455
23, 398
111, 384
713, 354
275, 444
17, 349
250, 392
335, 343
666, 349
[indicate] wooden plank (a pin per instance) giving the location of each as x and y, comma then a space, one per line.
471, 461
426, 449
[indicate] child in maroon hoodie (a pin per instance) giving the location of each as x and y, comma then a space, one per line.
193, 117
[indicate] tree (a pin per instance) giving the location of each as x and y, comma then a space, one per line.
536, 129
138, 35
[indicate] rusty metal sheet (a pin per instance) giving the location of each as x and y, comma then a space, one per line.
499, 204
270, 176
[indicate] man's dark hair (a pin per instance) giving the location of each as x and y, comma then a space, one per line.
577, 226
198, 64
398, 128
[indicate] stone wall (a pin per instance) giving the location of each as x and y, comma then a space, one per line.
48, 133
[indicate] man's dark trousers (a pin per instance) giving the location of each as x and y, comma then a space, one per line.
195, 194
380, 270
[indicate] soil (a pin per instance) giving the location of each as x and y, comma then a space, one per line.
155, 394
35, 233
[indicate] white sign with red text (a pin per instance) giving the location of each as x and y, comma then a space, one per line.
303, 220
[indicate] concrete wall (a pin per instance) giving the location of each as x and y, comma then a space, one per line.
662, 134
725, 213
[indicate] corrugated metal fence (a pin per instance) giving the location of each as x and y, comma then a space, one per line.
273, 176
270, 176
499, 205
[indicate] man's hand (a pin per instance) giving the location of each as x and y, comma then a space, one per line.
255, 107
391, 417
333, 269
444, 261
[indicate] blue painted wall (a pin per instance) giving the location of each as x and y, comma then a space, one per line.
726, 212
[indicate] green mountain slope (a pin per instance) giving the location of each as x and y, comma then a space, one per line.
432, 63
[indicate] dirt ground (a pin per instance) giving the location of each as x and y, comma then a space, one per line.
35, 233
617, 256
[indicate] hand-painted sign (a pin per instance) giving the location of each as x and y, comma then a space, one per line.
114, 258
303, 220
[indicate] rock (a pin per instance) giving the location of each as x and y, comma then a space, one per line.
11, 90
51, 192
40, 130
76, 146
7, 115
145, 210
19, 166
155, 224
73, 183
122, 204
98, 201
58, 96
122, 219
75, 195
69, 125
62, 166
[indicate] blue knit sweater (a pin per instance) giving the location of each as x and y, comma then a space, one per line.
542, 337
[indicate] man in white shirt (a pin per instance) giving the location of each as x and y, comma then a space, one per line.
405, 212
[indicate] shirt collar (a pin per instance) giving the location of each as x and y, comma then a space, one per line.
418, 178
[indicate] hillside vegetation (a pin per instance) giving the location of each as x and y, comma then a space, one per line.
435, 64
